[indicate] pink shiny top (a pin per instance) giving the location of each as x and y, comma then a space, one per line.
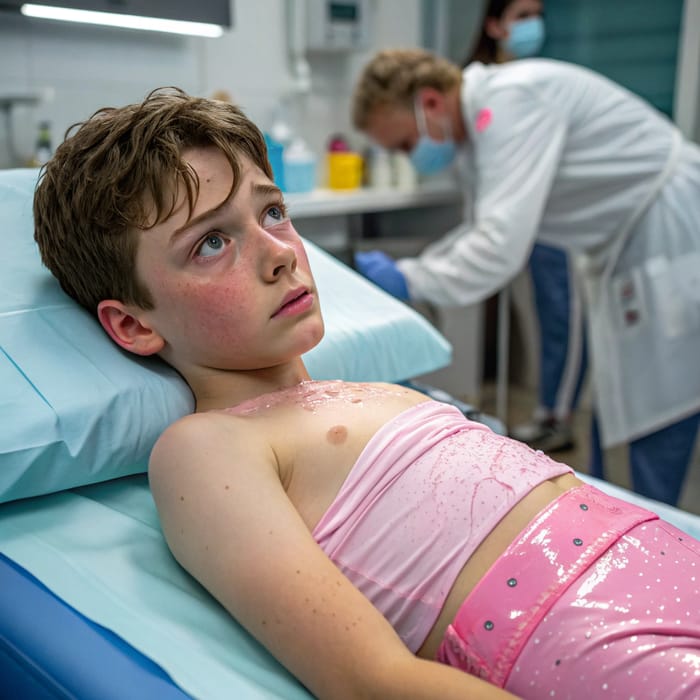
426, 490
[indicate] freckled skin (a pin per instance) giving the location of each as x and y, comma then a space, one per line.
337, 435
220, 313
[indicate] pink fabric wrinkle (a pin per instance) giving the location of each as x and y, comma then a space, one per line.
423, 494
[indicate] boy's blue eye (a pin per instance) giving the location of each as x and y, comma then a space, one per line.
213, 244
276, 213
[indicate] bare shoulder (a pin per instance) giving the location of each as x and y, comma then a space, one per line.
203, 464
194, 429
203, 441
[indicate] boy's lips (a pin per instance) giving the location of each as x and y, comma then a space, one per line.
294, 302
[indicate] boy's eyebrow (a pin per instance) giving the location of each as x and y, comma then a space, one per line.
257, 188
264, 188
197, 219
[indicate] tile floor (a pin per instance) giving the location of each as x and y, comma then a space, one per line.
520, 405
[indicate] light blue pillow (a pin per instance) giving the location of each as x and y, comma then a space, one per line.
75, 409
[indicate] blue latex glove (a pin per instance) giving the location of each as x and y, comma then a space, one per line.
381, 269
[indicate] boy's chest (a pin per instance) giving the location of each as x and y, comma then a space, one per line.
321, 449
318, 457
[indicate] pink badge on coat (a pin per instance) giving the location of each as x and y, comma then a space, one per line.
483, 119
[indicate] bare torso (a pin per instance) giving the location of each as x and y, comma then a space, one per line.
317, 430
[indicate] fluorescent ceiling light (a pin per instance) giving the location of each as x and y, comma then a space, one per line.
112, 19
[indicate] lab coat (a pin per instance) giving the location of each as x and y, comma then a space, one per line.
559, 154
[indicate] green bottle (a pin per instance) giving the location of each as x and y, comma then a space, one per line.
43, 150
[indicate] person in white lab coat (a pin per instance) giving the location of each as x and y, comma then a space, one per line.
512, 30
559, 153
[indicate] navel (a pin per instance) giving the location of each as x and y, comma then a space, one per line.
337, 435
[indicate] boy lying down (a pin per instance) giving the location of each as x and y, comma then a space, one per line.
376, 542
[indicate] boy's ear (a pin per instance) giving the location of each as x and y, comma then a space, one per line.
127, 329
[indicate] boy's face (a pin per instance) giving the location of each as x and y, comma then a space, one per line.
232, 285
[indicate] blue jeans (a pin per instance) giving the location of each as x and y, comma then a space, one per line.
658, 461
562, 342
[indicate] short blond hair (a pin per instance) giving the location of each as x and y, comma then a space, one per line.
393, 77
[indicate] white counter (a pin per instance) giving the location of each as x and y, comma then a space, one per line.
324, 202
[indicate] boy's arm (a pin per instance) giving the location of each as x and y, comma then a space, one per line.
230, 523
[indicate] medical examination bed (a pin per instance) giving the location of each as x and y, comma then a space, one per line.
92, 604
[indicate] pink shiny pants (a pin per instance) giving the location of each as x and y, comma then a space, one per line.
597, 598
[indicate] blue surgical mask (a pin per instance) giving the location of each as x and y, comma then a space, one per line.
526, 37
430, 156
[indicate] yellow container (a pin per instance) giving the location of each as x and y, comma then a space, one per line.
344, 171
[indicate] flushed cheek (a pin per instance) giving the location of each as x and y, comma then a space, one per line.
220, 303
216, 313
302, 259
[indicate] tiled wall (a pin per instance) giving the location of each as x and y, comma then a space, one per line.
83, 68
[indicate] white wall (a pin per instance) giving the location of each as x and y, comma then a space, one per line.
85, 68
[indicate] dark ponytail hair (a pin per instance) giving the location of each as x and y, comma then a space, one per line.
486, 49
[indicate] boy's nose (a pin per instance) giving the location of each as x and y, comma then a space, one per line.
278, 256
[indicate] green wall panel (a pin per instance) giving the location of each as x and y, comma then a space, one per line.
633, 42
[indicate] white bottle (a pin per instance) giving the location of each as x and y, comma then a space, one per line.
405, 175
380, 168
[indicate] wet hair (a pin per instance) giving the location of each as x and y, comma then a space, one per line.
120, 173
393, 77
486, 48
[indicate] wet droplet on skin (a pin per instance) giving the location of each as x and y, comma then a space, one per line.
312, 395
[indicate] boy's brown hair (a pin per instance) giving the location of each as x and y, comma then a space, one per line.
119, 174
392, 78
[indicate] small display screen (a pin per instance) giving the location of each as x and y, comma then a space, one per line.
343, 11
